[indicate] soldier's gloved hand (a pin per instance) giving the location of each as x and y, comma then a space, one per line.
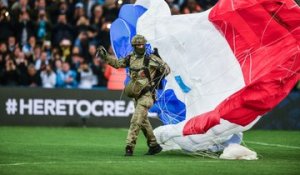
164, 69
101, 52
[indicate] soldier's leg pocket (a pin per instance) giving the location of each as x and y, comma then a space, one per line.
146, 100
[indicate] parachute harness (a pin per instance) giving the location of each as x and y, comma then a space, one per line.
154, 83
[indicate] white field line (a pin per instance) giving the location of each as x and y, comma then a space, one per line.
274, 145
53, 144
26, 163
94, 162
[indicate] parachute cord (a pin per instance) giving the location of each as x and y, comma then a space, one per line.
160, 78
196, 154
121, 96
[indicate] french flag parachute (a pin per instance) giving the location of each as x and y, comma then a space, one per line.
229, 65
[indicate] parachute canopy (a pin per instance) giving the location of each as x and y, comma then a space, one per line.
229, 65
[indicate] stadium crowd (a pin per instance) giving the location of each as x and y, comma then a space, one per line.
52, 43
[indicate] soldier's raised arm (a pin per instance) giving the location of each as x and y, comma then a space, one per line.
121, 63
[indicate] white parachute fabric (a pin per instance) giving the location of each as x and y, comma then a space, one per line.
169, 138
239, 152
201, 57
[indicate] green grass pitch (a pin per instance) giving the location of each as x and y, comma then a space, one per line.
84, 151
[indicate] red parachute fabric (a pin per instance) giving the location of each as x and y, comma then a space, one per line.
264, 36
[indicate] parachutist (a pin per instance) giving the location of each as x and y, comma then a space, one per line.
145, 73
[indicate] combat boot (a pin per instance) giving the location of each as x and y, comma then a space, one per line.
128, 151
154, 150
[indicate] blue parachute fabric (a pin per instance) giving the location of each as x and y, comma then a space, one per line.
124, 28
169, 109
140, 10
120, 38
130, 13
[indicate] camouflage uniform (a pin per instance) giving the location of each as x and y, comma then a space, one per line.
140, 81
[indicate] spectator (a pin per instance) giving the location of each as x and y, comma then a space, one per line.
43, 26
66, 77
62, 30
110, 13
3, 50
10, 75
41, 63
39, 5
97, 67
175, 9
98, 70
178, 2
29, 46
82, 25
17, 51
21, 63
82, 42
48, 77
79, 12
32, 79
65, 46
60, 7
6, 28
111, 10
97, 18
57, 66
3, 3
86, 77
37, 51
103, 36
55, 54
191, 6
18, 8
77, 60
3, 54
47, 49
25, 28
90, 5
11, 43
92, 50
75, 50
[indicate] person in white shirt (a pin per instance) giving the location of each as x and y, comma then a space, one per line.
86, 77
48, 77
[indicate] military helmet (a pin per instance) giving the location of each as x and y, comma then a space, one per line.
138, 39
